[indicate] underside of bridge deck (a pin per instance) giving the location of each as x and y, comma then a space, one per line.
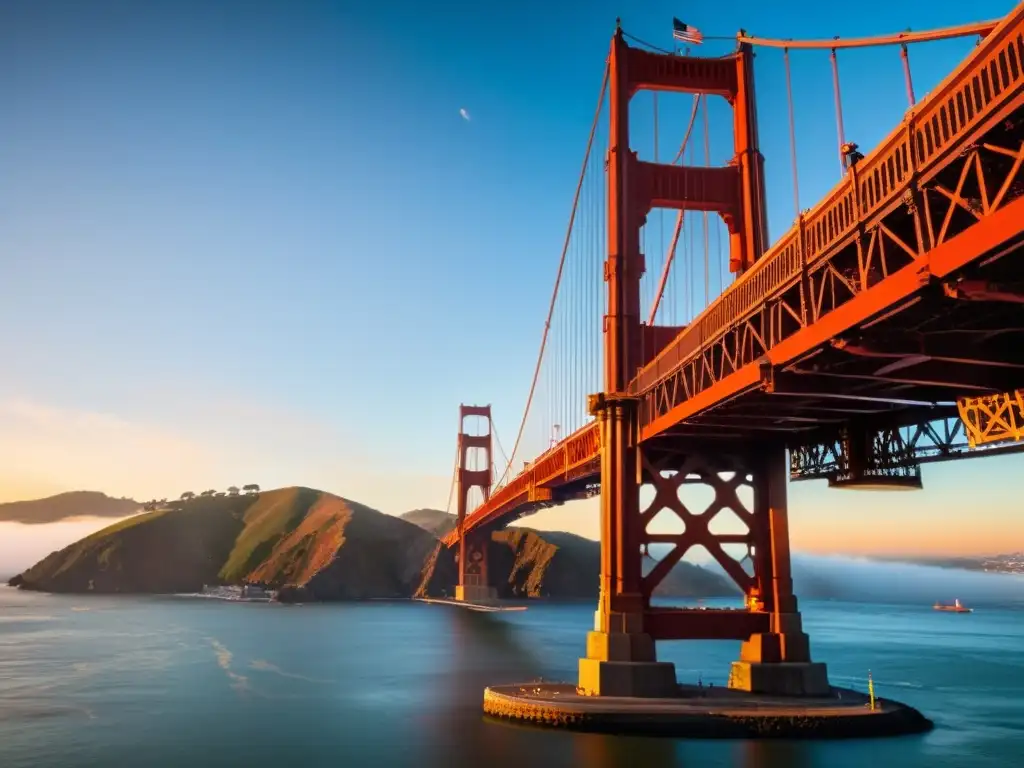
955, 338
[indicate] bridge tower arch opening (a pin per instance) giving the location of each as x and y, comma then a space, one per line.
621, 659
474, 580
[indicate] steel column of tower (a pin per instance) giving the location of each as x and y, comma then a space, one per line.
777, 660
473, 577
621, 658
749, 237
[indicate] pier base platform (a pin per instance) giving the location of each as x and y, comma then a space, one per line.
471, 593
703, 712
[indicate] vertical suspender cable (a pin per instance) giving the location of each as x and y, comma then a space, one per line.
906, 75
839, 112
670, 255
455, 474
561, 267
792, 135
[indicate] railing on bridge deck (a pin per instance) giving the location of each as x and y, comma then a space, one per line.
934, 130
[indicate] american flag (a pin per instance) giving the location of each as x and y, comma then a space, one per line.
686, 33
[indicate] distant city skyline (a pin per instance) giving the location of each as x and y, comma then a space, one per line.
280, 243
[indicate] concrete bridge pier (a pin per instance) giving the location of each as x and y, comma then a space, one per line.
621, 659
474, 581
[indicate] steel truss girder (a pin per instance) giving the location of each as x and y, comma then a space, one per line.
993, 419
897, 449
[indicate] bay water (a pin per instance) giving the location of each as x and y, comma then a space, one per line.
174, 681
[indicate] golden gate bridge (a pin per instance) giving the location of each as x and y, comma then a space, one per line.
883, 330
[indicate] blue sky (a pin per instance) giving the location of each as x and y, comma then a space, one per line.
256, 241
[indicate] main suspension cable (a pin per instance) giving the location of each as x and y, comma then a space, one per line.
455, 474
494, 431
945, 33
792, 135
671, 253
840, 131
561, 267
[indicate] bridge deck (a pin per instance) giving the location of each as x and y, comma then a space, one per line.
888, 300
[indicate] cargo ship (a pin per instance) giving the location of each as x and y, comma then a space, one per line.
956, 607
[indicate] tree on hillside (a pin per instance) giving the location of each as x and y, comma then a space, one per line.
149, 506
187, 496
232, 490
251, 488
208, 494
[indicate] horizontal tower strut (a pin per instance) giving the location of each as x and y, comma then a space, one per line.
900, 38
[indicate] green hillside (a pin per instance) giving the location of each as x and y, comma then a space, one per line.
67, 505
434, 520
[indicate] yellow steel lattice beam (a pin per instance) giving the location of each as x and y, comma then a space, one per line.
993, 418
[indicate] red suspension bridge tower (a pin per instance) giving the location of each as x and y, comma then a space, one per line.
621, 659
473, 582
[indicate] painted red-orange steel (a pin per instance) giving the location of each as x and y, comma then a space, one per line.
472, 553
988, 234
574, 457
620, 575
936, 132
736, 192
980, 28
753, 228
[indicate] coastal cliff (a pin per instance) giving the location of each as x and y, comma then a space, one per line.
314, 546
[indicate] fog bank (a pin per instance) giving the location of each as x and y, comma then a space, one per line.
22, 546
875, 581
